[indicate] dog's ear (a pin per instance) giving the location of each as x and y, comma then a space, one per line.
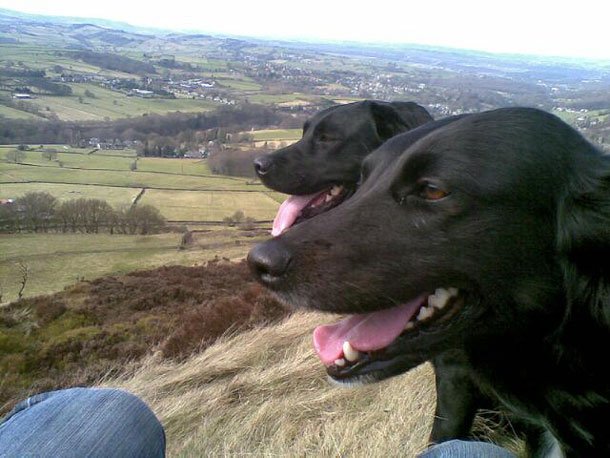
388, 122
584, 245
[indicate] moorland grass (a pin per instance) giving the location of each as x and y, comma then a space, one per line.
264, 393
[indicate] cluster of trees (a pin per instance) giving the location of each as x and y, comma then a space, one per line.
42, 212
179, 128
234, 162
115, 62
25, 80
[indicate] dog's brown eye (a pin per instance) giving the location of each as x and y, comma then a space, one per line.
326, 138
430, 191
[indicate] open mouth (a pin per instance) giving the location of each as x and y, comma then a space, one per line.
371, 346
363, 345
296, 209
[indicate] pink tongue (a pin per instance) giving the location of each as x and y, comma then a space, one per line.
368, 332
289, 212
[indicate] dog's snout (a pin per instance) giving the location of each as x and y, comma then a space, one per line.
269, 261
262, 165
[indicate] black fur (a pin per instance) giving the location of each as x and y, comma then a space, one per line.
524, 233
311, 165
334, 143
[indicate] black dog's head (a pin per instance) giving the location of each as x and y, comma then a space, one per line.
470, 232
333, 145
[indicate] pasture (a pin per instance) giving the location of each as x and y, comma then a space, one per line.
183, 190
210, 206
276, 134
110, 105
55, 261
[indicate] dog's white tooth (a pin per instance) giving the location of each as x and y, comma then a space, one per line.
335, 190
350, 353
453, 291
433, 301
409, 325
340, 362
442, 296
328, 198
425, 312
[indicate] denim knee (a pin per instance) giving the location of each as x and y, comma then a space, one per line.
82, 422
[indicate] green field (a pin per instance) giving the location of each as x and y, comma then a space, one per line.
276, 134
280, 98
210, 206
109, 104
115, 196
120, 153
182, 189
57, 260
28, 175
42, 57
8, 112
240, 84
93, 174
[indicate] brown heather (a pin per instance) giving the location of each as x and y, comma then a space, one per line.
94, 328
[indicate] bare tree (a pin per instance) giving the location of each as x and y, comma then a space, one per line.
24, 271
49, 155
15, 156
85, 215
37, 210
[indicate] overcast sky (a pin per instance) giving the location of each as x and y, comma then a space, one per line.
575, 28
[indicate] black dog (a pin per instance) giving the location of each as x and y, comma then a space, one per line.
326, 161
489, 235
328, 156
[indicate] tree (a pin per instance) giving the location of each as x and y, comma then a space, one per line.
15, 156
69, 215
8, 218
24, 271
36, 210
97, 213
49, 155
139, 219
148, 219
86, 215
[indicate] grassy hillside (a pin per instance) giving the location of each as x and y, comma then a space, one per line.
93, 327
264, 393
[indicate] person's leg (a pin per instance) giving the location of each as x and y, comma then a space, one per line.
466, 449
82, 422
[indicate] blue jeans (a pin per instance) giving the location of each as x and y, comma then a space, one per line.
82, 422
96, 422
466, 449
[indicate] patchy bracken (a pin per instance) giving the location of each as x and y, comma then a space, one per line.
94, 328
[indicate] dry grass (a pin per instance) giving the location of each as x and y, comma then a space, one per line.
264, 393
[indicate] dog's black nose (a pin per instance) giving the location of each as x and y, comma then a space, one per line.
269, 261
262, 165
